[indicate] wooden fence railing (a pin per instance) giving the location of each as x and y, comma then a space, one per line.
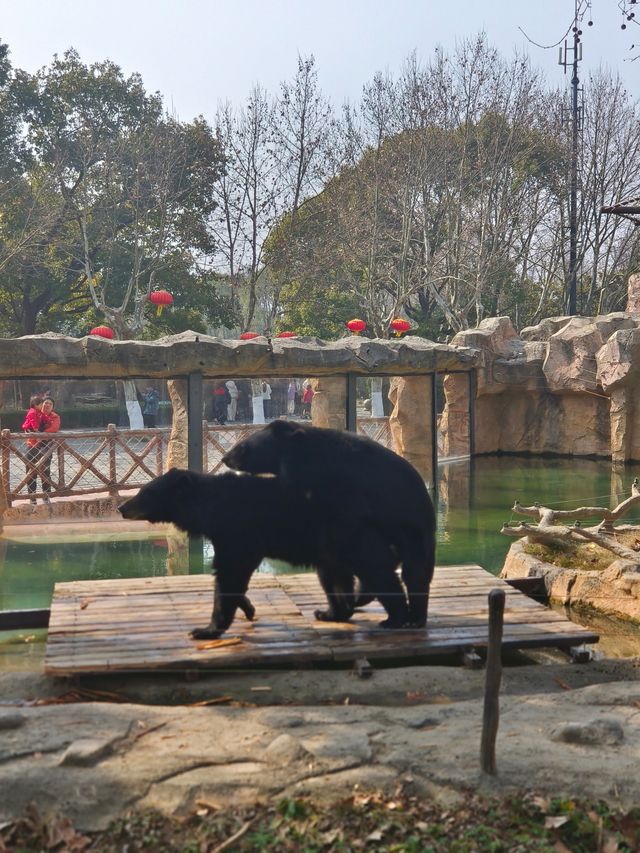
80, 462
76, 463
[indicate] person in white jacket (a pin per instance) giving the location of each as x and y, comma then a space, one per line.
266, 398
232, 407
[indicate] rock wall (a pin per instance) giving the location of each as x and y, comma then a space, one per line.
566, 386
410, 422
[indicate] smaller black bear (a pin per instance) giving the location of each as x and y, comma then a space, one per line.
248, 518
350, 480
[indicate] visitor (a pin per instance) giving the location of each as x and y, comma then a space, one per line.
51, 420
232, 407
221, 399
266, 398
292, 391
307, 397
150, 406
34, 422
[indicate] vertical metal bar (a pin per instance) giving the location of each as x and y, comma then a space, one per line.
571, 301
434, 427
194, 421
352, 404
473, 386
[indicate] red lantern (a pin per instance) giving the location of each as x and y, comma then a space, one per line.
249, 336
161, 298
356, 326
400, 326
102, 332
286, 335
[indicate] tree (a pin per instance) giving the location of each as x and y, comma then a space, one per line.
105, 176
438, 214
247, 194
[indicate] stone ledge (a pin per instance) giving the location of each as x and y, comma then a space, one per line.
615, 591
178, 355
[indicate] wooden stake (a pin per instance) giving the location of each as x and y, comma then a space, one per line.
493, 678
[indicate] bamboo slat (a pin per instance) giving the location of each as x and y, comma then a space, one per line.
143, 624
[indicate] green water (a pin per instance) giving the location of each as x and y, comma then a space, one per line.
474, 500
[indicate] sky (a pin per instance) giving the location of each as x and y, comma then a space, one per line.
200, 53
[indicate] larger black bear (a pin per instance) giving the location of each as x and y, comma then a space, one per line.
248, 518
353, 482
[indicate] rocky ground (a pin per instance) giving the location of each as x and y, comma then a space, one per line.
93, 750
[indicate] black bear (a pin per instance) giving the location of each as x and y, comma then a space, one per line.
248, 518
352, 481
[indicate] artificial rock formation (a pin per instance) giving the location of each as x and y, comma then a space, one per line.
566, 386
410, 422
614, 591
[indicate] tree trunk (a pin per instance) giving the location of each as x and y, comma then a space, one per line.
134, 411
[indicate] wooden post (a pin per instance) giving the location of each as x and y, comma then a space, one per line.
491, 715
61, 471
113, 471
6, 465
158, 439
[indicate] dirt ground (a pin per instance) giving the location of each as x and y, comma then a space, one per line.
96, 748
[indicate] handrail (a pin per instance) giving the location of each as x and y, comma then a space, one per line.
76, 463
86, 461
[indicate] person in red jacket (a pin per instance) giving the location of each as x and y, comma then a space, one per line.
33, 423
51, 419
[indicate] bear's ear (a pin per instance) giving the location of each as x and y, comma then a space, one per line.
281, 428
180, 479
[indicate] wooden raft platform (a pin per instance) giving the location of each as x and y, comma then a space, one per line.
143, 624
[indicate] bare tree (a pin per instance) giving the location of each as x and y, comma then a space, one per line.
249, 193
611, 160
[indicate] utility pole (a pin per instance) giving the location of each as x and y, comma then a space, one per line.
571, 289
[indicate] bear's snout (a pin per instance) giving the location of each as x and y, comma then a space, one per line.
232, 458
127, 509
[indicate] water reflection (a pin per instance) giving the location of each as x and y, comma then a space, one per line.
473, 500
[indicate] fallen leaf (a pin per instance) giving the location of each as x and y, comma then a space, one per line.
376, 835
218, 644
555, 821
208, 805
85, 603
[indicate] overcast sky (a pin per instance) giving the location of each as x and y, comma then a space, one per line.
198, 53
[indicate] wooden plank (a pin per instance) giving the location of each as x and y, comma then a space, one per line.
143, 624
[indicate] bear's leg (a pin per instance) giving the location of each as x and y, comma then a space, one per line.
363, 594
232, 580
247, 607
417, 571
337, 582
390, 593
377, 548
374, 564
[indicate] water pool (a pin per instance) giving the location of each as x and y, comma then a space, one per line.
473, 501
